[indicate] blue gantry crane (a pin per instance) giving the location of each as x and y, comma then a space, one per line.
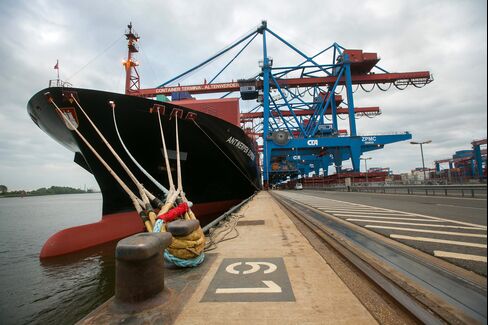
470, 163
298, 105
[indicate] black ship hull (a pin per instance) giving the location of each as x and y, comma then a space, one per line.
218, 160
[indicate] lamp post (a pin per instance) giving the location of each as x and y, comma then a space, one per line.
422, 153
366, 166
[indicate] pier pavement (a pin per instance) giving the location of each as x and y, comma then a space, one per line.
270, 274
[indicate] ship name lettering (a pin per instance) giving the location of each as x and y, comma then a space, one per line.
241, 146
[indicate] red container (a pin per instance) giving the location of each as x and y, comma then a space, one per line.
354, 55
370, 56
226, 109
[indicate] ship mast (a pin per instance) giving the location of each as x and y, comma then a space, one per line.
132, 80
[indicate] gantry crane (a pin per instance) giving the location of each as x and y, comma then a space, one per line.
295, 103
473, 160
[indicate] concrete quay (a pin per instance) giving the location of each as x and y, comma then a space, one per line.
267, 274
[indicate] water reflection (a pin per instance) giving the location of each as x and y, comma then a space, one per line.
56, 291
75, 284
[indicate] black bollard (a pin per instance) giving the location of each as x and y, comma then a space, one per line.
139, 274
183, 227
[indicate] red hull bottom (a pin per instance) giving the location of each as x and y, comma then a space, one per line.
114, 227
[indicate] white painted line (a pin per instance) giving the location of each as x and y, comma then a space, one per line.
383, 217
430, 217
255, 266
412, 224
343, 206
440, 241
231, 268
428, 231
388, 218
336, 204
340, 206
459, 206
354, 210
325, 204
271, 287
366, 212
407, 213
469, 257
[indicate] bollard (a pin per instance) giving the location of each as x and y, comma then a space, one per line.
183, 227
139, 274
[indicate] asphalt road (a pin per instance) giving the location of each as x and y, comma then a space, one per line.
456, 208
453, 229
432, 191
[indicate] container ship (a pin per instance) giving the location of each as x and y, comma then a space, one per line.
219, 161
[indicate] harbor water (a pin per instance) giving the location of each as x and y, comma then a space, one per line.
60, 290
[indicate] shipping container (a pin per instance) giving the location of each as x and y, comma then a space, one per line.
226, 109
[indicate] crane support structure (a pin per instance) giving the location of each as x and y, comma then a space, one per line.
478, 155
297, 111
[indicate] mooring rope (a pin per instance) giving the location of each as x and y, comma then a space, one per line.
139, 205
188, 215
142, 193
166, 158
183, 251
145, 172
233, 163
178, 161
172, 193
193, 262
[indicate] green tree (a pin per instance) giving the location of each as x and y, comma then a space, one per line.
3, 189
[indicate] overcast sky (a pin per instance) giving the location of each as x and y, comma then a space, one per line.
447, 38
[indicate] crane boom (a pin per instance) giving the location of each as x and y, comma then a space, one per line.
308, 112
379, 78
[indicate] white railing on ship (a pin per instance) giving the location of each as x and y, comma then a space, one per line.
59, 83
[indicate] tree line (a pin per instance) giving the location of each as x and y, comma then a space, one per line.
43, 191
